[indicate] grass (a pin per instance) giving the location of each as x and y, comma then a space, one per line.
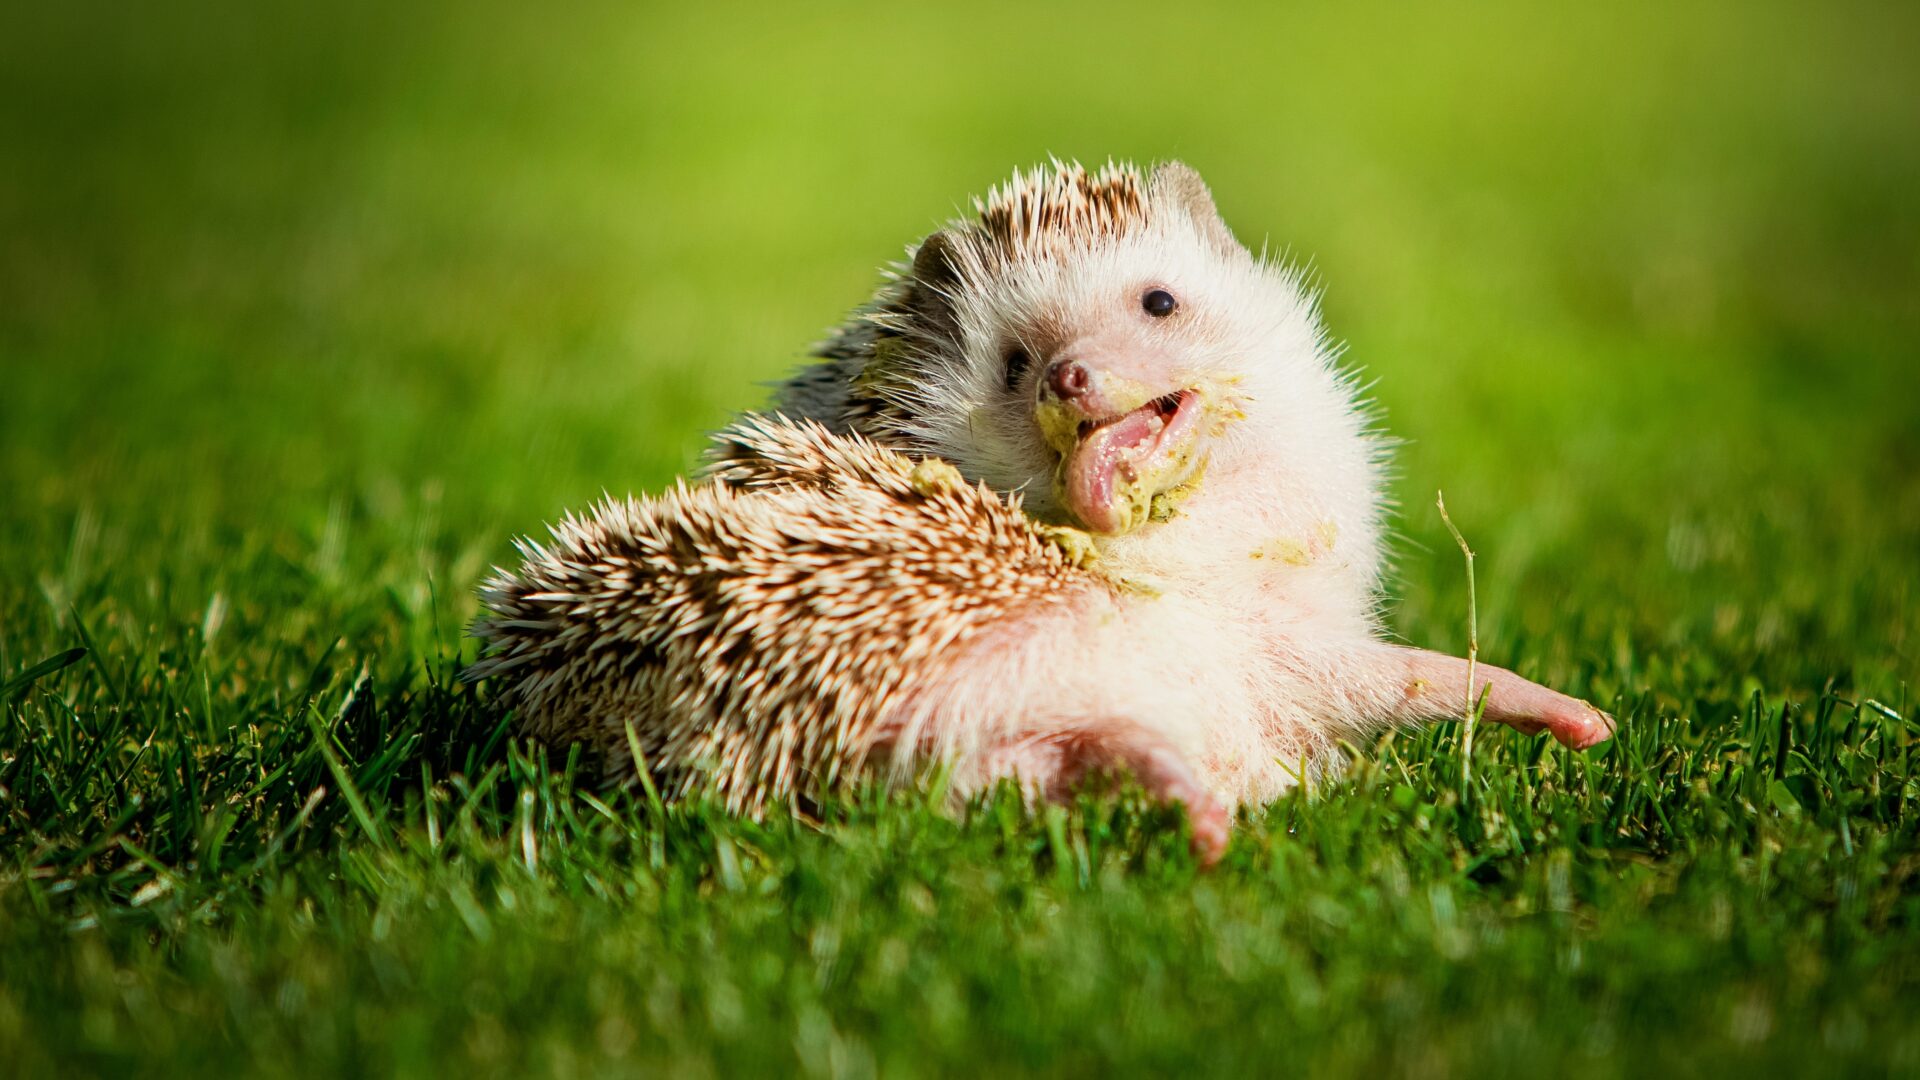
304, 313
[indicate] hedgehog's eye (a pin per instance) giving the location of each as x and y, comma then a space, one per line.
1017, 364
1158, 303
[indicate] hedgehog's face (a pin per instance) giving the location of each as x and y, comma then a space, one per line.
1093, 343
1103, 364
1110, 394
1124, 395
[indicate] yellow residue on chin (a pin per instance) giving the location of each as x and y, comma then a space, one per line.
1155, 494
1165, 505
1058, 425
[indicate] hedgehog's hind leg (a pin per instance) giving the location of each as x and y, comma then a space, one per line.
1053, 764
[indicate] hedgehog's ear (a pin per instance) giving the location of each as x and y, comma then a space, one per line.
1176, 183
936, 278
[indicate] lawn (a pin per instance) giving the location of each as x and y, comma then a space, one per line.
305, 313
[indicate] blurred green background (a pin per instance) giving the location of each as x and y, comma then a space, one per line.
305, 310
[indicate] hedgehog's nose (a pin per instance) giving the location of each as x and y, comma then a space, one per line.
1068, 379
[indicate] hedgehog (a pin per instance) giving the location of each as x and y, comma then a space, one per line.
1081, 490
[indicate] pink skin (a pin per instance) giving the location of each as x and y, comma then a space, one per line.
1055, 764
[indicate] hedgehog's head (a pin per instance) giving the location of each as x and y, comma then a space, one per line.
1099, 341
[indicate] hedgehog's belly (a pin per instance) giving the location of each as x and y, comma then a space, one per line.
1176, 669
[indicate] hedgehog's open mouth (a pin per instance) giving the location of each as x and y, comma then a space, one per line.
1124, 469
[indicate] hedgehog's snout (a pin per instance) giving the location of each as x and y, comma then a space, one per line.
1068, 379
1088, 388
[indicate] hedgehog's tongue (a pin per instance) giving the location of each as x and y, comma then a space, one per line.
1106, 457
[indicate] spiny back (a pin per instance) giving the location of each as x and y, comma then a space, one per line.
755, 629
